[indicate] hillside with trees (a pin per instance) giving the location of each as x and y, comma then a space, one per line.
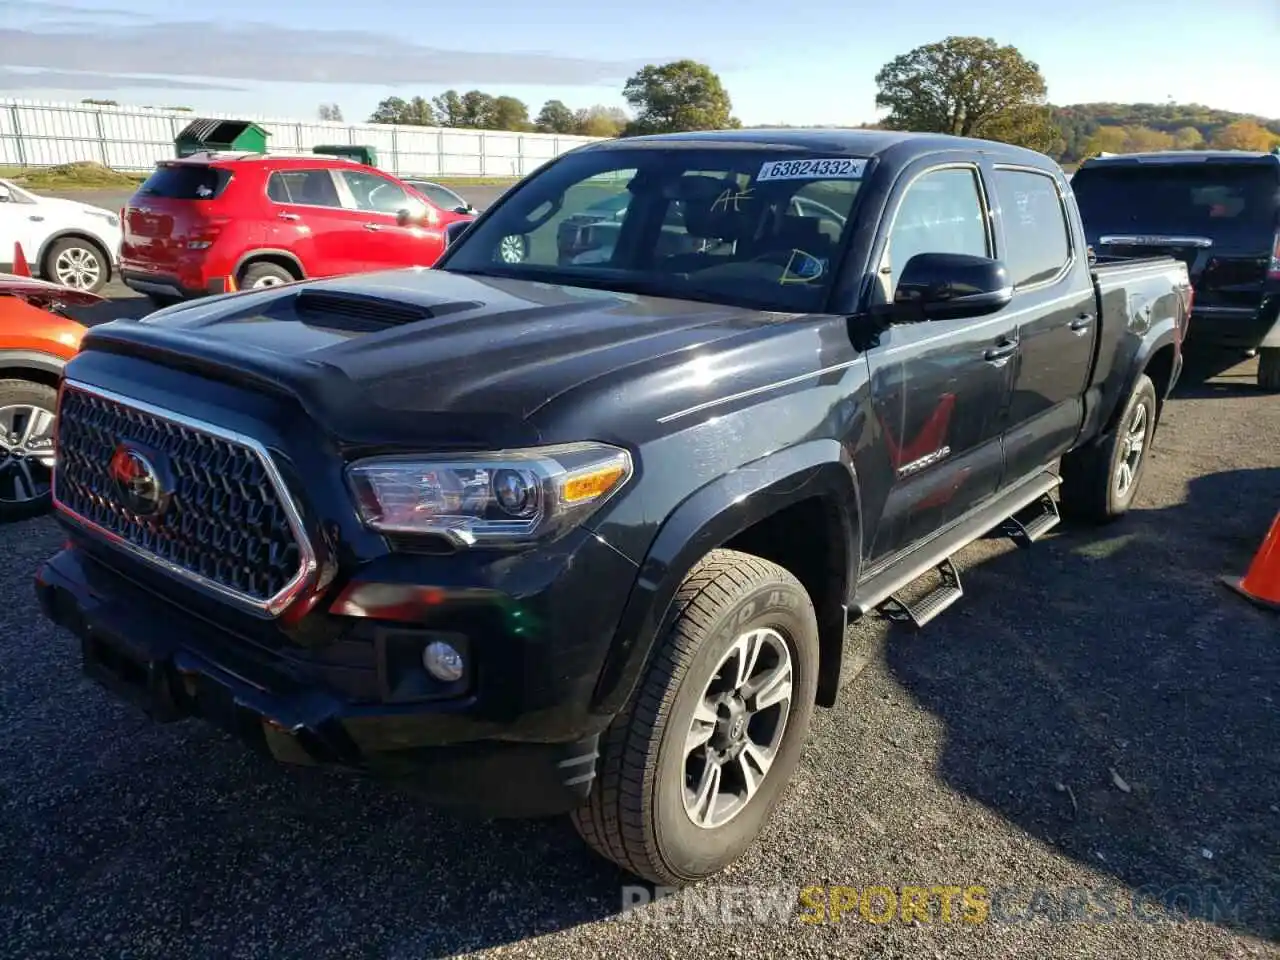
1091, 128
966, 86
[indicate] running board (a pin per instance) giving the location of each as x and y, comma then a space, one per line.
931, 604
890, 578
1032, 522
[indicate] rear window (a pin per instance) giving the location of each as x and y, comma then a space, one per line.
1178, 196
187, 181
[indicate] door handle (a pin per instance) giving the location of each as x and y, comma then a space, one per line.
1001, 352
289, 216
373, 226
35, 218
1082, 323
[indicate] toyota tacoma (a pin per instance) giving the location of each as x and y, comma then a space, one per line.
542, 538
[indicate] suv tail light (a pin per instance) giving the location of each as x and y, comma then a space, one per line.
205, 231
1273, 268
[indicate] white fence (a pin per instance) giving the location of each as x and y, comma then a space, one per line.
40, 134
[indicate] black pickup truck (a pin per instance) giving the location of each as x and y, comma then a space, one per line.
1218, 211
537, 538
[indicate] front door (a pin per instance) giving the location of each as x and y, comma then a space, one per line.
1057, 323
387, 244
939, 388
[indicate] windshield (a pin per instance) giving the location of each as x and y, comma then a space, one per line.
746, 227
1179, 198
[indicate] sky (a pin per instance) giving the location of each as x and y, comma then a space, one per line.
799, 63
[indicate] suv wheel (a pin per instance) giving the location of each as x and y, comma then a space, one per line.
26, 448
693, 766
259, 275
77, 263
1099, 482
514, 249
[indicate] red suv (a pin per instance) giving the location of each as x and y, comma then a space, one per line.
265, 220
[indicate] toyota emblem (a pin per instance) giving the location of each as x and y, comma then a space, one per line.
136, 481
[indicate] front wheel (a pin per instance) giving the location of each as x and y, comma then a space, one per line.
77, 264
1099, 482
26, 448
259, 275
693, 766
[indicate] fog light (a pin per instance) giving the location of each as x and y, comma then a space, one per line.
442, 661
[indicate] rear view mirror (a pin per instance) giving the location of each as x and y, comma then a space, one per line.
948, 286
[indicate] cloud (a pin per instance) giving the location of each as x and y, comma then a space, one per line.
257, 52
76, 11
96, 82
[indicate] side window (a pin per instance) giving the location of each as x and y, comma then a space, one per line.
1035, 226
374, 193
314, 188
941, 212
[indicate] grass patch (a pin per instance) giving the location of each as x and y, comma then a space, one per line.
461, 183
72, 176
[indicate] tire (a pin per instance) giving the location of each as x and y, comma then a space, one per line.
24, 478
259, 275
514, 249
636, 815
76, 263
1269, 368
1091, 476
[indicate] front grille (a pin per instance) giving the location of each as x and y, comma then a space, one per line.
225, 522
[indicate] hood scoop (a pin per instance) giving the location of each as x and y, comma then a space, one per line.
363, 313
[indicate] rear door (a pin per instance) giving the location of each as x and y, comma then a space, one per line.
308, 219
1219, 216
386, 243
169, 213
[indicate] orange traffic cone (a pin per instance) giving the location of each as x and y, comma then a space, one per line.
229, 285
1261, 585
20, 266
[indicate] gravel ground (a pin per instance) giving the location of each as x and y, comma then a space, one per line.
1096, 715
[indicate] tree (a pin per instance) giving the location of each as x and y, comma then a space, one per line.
968, 87
413, 113
449, 108
555, 117
683, 95
600, 121
1105, 140
508, 113
1187, 138
477, 109
1146, 140
1245, 135
330, 112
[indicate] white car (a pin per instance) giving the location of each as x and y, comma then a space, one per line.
64, 241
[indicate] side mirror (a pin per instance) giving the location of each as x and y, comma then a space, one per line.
948, 286
5, 194
454, 231
404, 217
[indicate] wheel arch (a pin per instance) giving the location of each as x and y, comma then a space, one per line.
798, 507
32, 365
281, 258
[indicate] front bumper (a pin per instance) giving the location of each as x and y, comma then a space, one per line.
175, 667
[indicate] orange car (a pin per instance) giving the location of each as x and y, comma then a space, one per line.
37, 339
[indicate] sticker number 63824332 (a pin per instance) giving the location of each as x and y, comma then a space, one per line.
838, 168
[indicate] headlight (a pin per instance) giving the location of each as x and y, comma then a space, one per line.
111, 218
507, 496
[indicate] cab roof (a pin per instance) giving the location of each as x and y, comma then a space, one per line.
853, 143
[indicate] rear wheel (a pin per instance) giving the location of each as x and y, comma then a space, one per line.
26, 448
259, 275
77, 263
1269, 368
1100, 481
693, 766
